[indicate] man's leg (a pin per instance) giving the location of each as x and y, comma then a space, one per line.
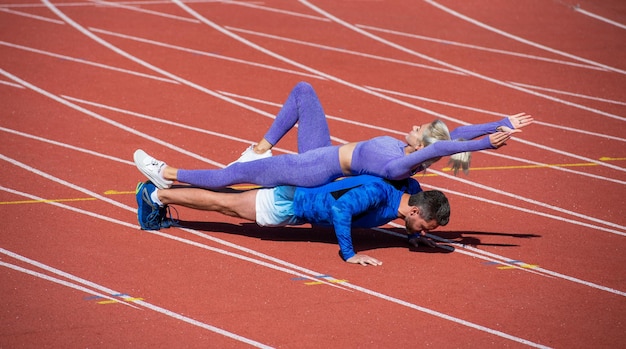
240, 205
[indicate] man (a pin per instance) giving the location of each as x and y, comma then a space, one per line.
359, 202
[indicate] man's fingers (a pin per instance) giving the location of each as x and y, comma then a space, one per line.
363, 260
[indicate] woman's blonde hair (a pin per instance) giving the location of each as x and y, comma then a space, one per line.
438, 131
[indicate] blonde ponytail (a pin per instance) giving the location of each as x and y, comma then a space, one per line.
438, 131
460, 161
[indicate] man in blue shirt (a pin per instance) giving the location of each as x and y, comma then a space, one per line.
352, 202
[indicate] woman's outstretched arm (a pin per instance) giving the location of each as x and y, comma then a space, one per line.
510, 123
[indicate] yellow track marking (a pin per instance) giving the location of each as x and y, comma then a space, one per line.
247, 187
44, 201
583, 164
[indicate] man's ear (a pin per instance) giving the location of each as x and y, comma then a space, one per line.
415, 211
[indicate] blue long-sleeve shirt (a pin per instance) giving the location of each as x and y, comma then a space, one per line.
360, 202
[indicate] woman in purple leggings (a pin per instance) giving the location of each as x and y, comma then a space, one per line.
319, 162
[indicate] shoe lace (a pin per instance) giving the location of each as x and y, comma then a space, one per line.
167, 219
153, 221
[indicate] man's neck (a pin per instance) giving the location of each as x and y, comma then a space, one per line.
404, 207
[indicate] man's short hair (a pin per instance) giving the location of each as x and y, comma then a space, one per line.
433, 204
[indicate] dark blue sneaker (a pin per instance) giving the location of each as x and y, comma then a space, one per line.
149, 214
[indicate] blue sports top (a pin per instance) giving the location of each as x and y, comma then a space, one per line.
359, 202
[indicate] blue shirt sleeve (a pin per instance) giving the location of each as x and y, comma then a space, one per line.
353, 203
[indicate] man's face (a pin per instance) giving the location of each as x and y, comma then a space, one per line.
414, 223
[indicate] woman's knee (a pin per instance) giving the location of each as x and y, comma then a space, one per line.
304, 87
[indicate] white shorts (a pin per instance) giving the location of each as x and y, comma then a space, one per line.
274, 207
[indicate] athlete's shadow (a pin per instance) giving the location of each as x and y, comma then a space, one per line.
363, 239
469, 238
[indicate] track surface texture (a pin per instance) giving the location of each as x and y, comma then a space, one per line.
537, 238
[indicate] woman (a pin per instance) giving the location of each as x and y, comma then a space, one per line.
319, 162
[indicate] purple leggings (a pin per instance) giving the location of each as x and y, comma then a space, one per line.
317, 162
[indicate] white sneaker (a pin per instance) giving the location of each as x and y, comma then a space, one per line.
152, 168
250, 155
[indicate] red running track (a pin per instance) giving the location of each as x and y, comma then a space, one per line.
537, 236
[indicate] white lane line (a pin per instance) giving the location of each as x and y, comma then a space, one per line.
181, 150
123, 53
577, 95
498, 259
145, 304
30, 15
62, 282
142, 10
83, 61
446, 317
116, 124
91, 4
254, 109
554, 150
204, 53
315, 273
229, 334
487, 255
435, 101
360, 88
325, 47
175, 124
598, 17
271, 9
335, 49
522, 40
538, 203
65, 145
299, 272
502, 258
233, 138
183, 126
480, 48
535, 163
521, 209
106, 120
558, 168
10, 83
331, 117
503, 115
445, 64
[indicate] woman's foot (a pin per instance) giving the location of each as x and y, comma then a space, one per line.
152, 168
250, 155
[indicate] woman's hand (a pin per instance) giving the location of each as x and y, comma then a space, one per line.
499, 139
518, 121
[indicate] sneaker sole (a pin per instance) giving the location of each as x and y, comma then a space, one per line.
139, 204
158, 181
